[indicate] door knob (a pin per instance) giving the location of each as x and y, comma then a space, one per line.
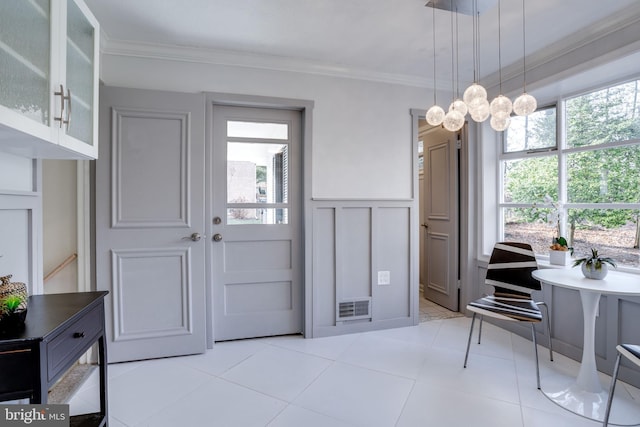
195, 237
217, 237
217, 220
424, 225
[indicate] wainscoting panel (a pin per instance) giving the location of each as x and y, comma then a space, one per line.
364, 273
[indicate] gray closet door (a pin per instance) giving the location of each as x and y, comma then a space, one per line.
440, 198
255, 222
149, 216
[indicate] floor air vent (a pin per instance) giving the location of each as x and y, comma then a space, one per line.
356, 309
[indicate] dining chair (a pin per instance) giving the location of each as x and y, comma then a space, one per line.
631, 352
509, 272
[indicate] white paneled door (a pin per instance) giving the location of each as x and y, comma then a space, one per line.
255, 222
150, 247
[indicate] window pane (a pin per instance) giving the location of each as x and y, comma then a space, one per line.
242, 216
257, 130
612, 231
257, 173
529, 225
603, 116
533, 132
604, 176
530, 180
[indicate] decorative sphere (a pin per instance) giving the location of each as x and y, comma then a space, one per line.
435, 115
453, 121
480, 111
474, 94
501, 106
459, 106
500, 123
525, 104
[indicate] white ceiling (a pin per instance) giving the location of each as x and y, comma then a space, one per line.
385, 38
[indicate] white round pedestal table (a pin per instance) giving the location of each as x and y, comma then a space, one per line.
586, 396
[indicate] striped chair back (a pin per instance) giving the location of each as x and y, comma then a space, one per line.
510, 268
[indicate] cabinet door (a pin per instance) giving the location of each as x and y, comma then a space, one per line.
80, 69
25, 61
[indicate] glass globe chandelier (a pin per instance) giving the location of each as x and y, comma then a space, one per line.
525, 104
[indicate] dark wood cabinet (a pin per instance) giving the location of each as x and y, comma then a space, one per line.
59, 328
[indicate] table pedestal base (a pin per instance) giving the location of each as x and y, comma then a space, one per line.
624, 410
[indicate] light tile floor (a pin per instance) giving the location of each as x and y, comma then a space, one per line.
401, 377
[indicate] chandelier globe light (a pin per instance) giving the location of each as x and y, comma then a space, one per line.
435, 115
501, 106
525, 104
460, 106
480, 112
500, 123
453, 121
475, 96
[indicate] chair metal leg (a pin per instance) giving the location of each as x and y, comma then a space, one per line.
612, 388
466, 356
548, 327
480, 329
535, 348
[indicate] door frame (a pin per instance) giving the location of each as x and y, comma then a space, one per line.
464, 205
305, 107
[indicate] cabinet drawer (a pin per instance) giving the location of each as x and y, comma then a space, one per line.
72, 342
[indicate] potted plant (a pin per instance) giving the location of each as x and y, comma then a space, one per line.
595, 266
13, 310
13, 302
560, 252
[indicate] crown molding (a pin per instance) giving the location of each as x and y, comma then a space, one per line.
605, 41
250, 60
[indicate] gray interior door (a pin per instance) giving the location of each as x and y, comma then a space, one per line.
149, 214
440, 198
255, 221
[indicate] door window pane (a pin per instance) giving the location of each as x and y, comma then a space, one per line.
243, 216
238, 129
257, 173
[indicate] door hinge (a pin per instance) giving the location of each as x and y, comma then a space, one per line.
458, 284
459, 144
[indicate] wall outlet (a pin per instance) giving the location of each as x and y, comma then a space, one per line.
384, 277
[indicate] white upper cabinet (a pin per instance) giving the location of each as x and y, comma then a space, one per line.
49, 81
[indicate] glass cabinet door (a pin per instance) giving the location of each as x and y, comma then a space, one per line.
25, 46
80, 73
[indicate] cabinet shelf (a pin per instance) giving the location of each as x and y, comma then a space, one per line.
24, 61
